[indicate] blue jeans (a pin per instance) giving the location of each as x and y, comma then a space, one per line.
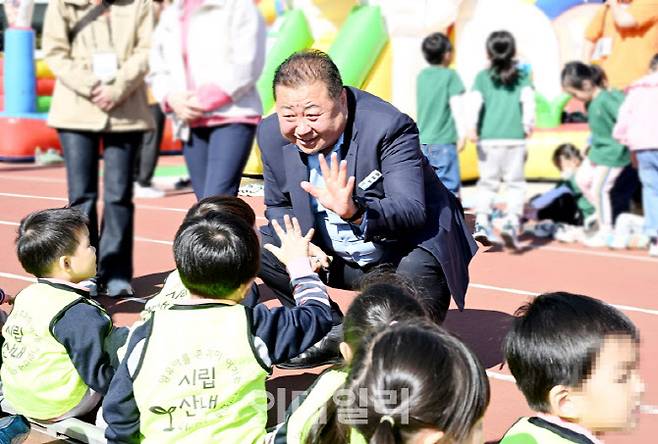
444, 160
81, 153
648, 168
216, 156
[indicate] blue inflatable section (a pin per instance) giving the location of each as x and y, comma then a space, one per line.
19, 76
553, 8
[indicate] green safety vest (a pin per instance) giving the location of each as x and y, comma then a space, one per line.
172, 292
300, 420
38, 377
535, 430
199, 379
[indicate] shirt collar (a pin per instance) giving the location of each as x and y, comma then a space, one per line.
571, 426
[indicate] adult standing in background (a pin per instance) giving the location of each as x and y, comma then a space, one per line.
99, 54
206, 58
624, 36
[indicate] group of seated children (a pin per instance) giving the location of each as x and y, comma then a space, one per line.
194, 367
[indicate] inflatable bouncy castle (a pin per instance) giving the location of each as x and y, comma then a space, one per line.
376, 45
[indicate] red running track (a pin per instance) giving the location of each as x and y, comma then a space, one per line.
500, 282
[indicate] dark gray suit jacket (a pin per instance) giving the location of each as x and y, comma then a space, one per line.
407, 207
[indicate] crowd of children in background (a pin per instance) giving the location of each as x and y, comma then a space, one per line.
193, 369
497, 114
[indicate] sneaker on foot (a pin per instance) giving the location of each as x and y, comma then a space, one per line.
509, 233
143, 192
653, 248
483, 235
600, 238
118, 288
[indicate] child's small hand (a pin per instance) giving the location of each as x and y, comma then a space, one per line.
472, 135
293, 244
461, 144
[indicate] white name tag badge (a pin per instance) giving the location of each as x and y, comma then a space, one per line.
370, 180
105, 66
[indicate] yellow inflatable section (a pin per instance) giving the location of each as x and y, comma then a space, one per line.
541, 146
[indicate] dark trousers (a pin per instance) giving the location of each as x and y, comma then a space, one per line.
81, 152
216, 156
418, 265
146, 158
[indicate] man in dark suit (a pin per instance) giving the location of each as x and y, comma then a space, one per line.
349, 165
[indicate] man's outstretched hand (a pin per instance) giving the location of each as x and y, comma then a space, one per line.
338, 188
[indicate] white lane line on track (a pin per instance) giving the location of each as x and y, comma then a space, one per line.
17, 277
32, 179
533, 294
599, 253
137, 205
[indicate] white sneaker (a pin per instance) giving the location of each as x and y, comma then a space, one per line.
147, 192
599, 239
484, 235
509, 233
567, 234
653, 248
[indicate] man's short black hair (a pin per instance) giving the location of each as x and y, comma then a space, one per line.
46, 235
306, 67
216, 254
435, 47
556, 339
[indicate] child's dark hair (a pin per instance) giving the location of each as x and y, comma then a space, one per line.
401, 390
575, 74
435, 47
216, 254
46, 235
222, 204
565, 151
556, 339
653, 64
501, 49
385, 298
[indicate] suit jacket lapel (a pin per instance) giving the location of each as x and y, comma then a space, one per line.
296, 172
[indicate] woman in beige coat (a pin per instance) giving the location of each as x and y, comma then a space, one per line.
100, 98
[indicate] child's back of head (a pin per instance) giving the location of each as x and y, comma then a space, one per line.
396, 393
574, 356
216, 256
436, 49
222, 204
501, 50
47, 235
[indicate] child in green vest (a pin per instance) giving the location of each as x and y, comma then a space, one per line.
173, 289
413, 383
607, 157
55, 362
576, 361
196, 372
504, 102
385, 299
437, 88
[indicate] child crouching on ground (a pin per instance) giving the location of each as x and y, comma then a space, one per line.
54, 360
576, 361
196, 372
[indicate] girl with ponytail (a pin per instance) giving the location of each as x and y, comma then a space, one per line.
503, 104
386, 298
606, 157
414, 383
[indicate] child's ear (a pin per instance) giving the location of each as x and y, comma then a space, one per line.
64, 263
564, 402
346, 351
